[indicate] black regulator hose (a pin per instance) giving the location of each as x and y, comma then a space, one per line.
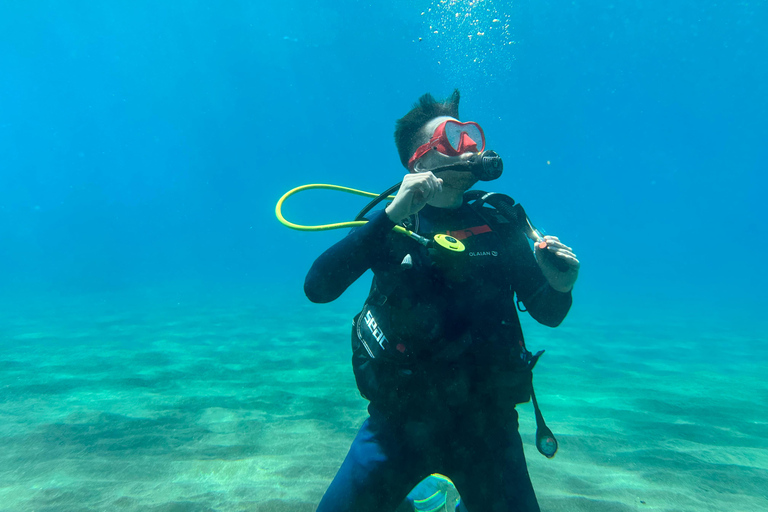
380, 198
486, 166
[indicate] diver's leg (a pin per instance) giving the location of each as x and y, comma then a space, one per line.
490, 471
377, 473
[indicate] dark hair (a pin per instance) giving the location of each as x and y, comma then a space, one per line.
407, 137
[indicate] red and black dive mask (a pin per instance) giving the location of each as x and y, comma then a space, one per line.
452, 138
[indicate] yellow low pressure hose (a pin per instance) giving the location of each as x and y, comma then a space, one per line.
450, 244
323, 227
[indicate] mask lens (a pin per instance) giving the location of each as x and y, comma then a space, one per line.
454, 130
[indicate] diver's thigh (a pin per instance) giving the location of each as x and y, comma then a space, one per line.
493, 475
376, 475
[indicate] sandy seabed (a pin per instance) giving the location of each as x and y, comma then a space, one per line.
185, 408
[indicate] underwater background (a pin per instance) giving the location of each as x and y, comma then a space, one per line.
156, 349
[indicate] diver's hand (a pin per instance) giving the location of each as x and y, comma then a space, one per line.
558, 263
415, 192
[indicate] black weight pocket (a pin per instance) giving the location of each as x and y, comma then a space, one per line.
376, 337
379, 381
507, 386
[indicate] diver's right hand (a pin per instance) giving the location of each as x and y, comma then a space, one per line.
415, 192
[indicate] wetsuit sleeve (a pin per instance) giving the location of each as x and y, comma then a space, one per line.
545, 304
340, 266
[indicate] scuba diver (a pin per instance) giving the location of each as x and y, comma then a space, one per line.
438, 349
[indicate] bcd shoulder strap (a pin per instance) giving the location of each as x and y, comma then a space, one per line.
504, 209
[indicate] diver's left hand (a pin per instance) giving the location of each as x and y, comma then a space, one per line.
558, 263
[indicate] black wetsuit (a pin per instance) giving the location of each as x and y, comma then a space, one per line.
450, 365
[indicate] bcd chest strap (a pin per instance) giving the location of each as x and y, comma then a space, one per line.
463, 234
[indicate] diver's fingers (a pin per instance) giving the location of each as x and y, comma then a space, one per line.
413, 184
554, 242
558, 251
569, 258
435, 185
427, 185
562, 249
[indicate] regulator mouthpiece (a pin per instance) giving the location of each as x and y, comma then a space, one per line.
486, 166
489, 167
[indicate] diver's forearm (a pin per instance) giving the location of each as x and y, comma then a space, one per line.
343, 263
548, 306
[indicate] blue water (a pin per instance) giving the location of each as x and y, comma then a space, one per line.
143, 146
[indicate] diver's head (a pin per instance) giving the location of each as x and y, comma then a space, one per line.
430, 138
410, 130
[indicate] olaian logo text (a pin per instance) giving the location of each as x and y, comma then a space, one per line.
484, 253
